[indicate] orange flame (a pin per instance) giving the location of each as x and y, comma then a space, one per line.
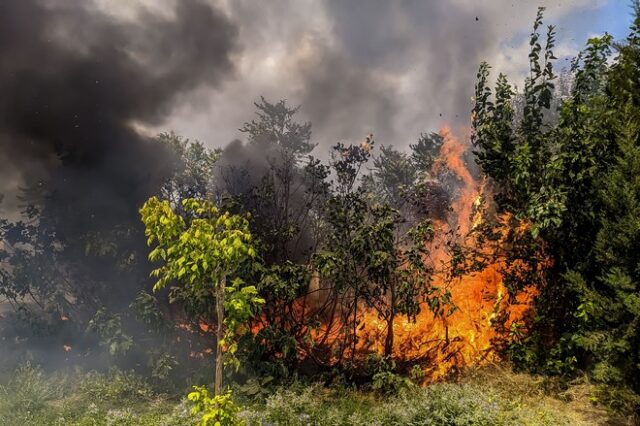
451, 154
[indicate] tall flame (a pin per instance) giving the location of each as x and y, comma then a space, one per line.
451, 154
468, 336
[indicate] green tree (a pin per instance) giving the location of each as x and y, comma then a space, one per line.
425, 151
65, 269
289, 183
392, 176
193, 168
204, 249
609, 304
407, 182
576, 182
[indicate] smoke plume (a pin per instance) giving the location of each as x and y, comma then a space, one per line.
75, 81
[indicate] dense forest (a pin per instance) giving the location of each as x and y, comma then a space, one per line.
235, 273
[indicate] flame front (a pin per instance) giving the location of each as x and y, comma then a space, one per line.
469, 335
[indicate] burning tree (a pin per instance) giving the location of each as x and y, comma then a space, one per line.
371, 264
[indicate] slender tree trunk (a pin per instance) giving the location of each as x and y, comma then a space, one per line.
388, 343
355, 327
217, 389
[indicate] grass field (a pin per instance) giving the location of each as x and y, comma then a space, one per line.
492, 396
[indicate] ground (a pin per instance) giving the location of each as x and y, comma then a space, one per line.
488, 396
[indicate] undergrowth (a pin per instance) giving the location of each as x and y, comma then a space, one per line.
493, 396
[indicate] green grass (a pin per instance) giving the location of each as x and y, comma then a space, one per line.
484, 397
29, 397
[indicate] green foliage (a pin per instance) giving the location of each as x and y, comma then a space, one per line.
367, 257
29, 390
494, 126
495, 397
31, 397
618, 399
576, 182
274, 349
193, 169
198, 250
405, 180
608, 313
281, 186
385, 380
147, 310
425, 151
515, 155
417, 374
218, 410
256, 388
108, 327
60, 264
441, 404
275, 124
162, 365
202, 248
115, 386
240, 307
394, 173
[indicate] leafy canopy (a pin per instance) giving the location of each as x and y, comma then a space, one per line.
199, 248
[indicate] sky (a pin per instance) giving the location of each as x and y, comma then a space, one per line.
394, 69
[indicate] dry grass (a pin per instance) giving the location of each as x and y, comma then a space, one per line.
577, 399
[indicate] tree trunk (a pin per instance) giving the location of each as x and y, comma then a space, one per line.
355, 327
217, 389
388, 342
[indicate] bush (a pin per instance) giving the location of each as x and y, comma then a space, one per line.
217, 410
389, 383
29, 389
487, 397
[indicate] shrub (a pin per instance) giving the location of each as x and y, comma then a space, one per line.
26, 394
218, 410
29, 389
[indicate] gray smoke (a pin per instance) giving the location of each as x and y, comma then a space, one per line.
435, 46
75, 83
394, 69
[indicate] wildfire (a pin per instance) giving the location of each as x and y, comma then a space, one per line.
484, 309
468, 336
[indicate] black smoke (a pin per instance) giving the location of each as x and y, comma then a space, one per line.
73, 82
